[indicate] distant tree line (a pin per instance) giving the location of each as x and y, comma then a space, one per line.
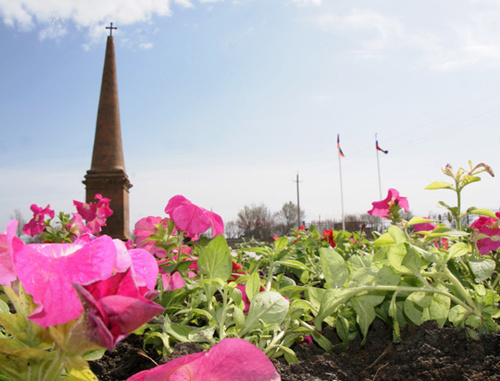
258, 222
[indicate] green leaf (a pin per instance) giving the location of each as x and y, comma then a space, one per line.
412, 261
364, 276
414, 312
343, 328
419, 220
387, 276
417, 307
179, 332
284, 281
238, 318
96, 354
322, 341
269, 307
334, 267
80, 375
290, 356
365, 314
473, 321
314, 295
13, 323
197, 311
443, 231
393, 313
202, 335
280, 244
252, 287
440, 185
4, 307
482, 269
215, 260
236, 295
459, 249
384, 240
330, 301
395, 255
467, 179
422, 299
439, 308
293, 264
372, 299
397, 234
483, 212
457, 315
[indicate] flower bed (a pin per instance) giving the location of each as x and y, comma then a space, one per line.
253, 310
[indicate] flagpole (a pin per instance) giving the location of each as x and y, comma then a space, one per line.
378, 166
341, 191
341, 196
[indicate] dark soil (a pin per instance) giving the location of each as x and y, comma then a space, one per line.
426, 352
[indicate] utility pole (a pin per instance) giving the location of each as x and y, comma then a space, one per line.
378, 167
298, 201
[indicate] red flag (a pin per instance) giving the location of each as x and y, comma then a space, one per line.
341, 154
380, 149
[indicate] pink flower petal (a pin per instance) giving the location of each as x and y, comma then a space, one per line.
116, 306
381, 208
37, 225
143, 264
172, 282
128, 313
237, 360
123, 260
47, 270
193, 219
87, 211
231, 359
7, 271
145, 267
163, 372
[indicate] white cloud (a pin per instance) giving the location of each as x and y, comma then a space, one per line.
89, 15
384, 31
146, 45
307, 2
458, 38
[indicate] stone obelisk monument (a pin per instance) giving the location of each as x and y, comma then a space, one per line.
107, 174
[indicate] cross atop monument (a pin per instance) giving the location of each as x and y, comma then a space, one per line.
111, 29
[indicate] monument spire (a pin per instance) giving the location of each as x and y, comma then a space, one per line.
107, 174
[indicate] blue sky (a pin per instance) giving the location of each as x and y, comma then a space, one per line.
226, 101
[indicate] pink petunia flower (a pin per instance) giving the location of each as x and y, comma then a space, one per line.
391, 204
173, 281
193, 219
95, 214
308, 339
143, 264
37, 223
487, 226
115, 307
46, 272
244, 297
231, 359
7, 270
144, 228
425, 226
76, 226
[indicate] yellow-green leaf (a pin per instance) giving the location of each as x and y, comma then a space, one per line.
439, 185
